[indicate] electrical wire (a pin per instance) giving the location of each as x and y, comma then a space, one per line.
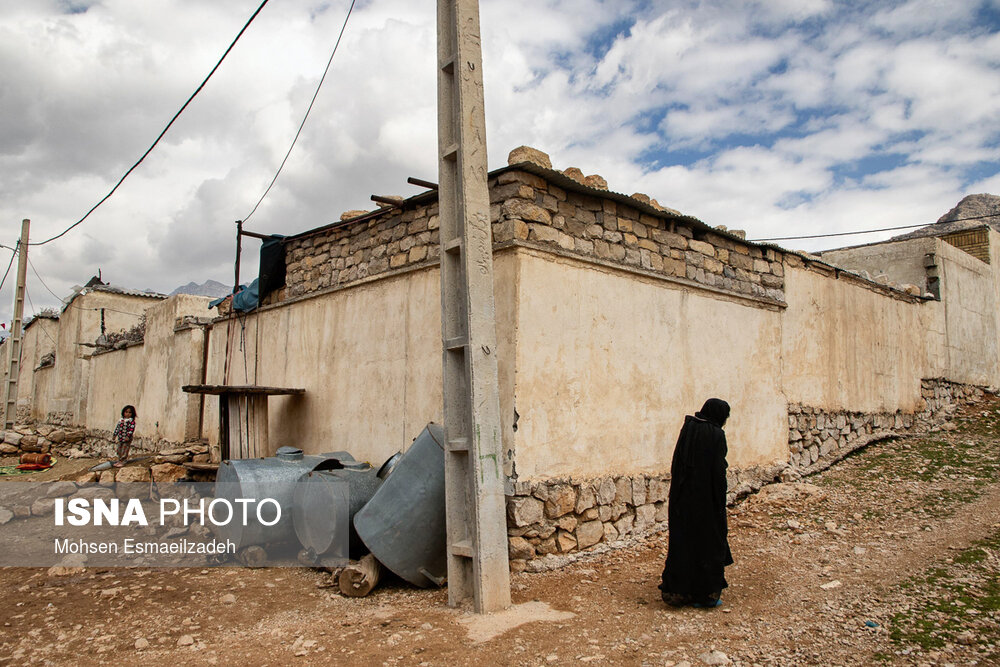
34, 316
35, 271
306, 116
69, 305
150, 149
872, 231
9, 264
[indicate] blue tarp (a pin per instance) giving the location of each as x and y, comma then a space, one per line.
244, 301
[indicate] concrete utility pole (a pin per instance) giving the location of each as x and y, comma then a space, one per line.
14, 342
477, 534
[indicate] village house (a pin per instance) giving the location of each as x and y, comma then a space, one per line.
615, 317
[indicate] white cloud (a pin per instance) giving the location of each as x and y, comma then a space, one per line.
755, 109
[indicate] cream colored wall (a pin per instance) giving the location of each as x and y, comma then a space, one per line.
965, 348
150, 376
42, 381
993, 238
80, 322
608, 364
961, 330
845, 347
117, 381
38, 339
901, 261
368, 356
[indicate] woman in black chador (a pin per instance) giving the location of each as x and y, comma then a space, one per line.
698, 548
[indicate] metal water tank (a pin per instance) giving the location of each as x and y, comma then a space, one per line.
325, 502
403, 525
273, 477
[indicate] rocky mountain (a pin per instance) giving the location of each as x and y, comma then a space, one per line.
972, 206
211, 288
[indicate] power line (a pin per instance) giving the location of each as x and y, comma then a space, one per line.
34, 316
176, 115
306, 116
9, 264
35, 271
61, 300
872, 231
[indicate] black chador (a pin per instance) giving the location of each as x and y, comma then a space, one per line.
698, 547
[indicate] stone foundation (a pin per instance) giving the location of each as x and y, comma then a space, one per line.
560, 516
58, 419
551, 522
77, 442
818, 438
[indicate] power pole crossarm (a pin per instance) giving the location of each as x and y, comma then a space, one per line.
474, 496
14, 342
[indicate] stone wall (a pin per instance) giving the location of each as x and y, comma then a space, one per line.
57, 418
561, 516
78, 443
395, 239
817, 438
529, 209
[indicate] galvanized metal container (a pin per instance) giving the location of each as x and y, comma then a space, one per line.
325, 502
403, 525
273, 477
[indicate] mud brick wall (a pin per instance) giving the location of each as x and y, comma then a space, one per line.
975, 242
526, 209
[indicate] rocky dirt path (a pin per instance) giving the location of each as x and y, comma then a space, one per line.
890, 557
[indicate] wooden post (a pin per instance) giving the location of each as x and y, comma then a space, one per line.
359, 579
474, 481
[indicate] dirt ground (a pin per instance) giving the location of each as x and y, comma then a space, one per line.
892, 556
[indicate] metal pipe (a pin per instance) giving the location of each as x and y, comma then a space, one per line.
239, 250
387, 200
422, 183
256, 235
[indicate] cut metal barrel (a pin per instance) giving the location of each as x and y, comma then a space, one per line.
403, 525
273, 477
325, 502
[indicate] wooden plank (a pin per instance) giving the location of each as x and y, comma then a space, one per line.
221, 389
235, 437
223, 431
257, 407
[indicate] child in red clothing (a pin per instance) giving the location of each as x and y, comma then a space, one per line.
122, 436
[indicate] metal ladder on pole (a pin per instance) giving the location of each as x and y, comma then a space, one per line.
14, 342
474, 483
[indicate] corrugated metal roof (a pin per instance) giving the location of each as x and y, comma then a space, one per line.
128, 292
111, 289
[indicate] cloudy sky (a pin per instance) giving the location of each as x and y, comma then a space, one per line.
781, 117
